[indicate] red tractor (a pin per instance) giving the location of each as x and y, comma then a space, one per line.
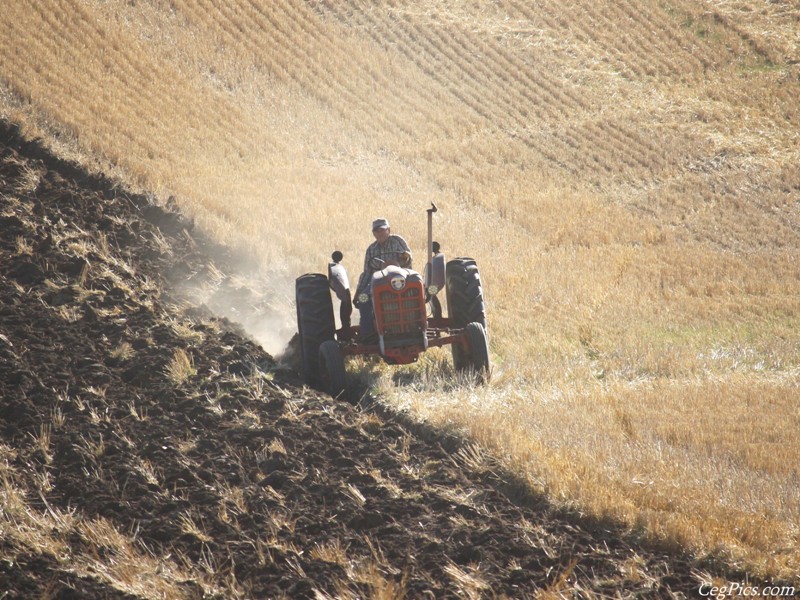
408, 318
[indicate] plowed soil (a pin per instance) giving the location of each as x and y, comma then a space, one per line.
230, 471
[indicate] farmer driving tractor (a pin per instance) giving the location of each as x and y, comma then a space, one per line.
400, 315
388, 248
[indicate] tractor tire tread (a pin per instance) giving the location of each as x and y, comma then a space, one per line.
315, 321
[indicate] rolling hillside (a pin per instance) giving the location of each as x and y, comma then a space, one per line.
625, 173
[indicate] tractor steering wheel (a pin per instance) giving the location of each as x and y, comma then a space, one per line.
379, 263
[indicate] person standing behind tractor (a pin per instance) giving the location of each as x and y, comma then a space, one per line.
388, 248
341, 286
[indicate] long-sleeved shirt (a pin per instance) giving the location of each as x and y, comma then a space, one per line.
392, 249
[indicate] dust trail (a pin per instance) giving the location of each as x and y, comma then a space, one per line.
260, 301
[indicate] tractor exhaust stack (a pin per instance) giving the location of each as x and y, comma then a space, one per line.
430, 212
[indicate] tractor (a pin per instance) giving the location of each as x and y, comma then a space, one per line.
407, 313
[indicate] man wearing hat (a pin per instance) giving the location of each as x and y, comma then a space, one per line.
387, 248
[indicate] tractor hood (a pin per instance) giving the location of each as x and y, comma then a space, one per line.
397, 277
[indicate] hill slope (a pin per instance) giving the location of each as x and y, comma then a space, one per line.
150, 451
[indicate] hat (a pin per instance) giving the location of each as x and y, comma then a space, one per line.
380, 224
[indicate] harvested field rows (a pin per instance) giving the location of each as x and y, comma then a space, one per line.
158, 453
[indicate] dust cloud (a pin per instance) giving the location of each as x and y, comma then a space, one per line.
260, 301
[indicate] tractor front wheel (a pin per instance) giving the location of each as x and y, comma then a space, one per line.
475, 357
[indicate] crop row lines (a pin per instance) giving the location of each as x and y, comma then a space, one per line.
511, 99
42, 79
131, 83
120, 80
286, 60
420, 102
223, 34
626, 143
631, 147
431, 65
589, 22
640, 40
514, 98
334, 54
229, 36
439, 45
677, 40
363, 76
312, 59
437, 64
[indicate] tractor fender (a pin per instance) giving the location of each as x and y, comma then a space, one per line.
337, 275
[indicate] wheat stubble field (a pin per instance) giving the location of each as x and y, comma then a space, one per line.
626, 174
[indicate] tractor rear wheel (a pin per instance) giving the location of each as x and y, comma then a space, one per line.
315, 322
331, 369
476, 356
464, 293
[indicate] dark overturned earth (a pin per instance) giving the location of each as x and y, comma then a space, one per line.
228, 474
